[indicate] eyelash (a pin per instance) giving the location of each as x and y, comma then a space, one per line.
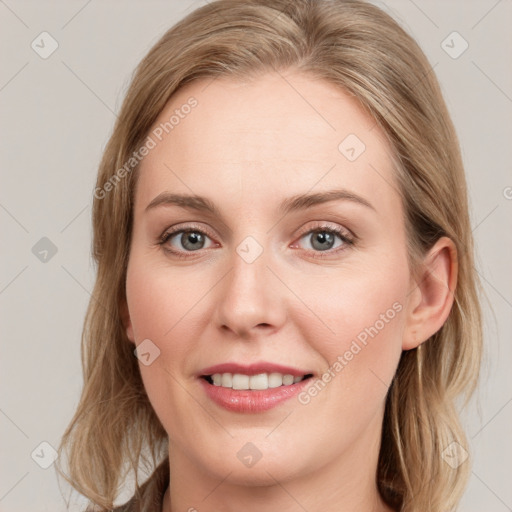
345, 237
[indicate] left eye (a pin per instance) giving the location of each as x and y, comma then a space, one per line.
323, 239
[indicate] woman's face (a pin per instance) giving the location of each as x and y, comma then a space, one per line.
268, 281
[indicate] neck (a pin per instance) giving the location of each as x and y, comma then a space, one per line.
286, 497
346, 484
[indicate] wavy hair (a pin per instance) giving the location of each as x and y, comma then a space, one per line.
361, 49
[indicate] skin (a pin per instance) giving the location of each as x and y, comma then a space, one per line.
247, 147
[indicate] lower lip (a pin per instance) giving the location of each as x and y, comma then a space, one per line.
252, 400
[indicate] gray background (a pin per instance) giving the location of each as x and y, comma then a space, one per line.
57, 114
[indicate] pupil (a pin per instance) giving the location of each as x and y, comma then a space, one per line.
191, 240
326, 240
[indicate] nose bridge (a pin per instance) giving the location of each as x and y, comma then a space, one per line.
249, 296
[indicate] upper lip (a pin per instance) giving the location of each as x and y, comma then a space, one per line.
253, 369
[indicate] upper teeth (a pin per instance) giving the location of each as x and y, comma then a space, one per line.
260, 381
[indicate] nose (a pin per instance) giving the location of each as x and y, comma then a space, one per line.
250, 299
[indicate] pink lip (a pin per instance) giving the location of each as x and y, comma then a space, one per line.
252, 401
253, 369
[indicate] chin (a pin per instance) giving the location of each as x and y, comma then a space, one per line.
256, 464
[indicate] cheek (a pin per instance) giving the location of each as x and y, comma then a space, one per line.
362, 318
158, 299
161, 304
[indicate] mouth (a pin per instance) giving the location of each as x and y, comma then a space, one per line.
252, 388
258, 382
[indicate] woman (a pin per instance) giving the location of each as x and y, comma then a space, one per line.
286, 306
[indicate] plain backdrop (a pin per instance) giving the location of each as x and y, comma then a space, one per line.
56, 116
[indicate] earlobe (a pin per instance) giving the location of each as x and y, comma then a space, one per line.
126, 320
433, 294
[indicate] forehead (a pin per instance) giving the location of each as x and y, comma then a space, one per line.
286, 132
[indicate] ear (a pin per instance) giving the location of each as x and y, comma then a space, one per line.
126, 320
432, 294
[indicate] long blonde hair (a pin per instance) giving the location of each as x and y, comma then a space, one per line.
358, 47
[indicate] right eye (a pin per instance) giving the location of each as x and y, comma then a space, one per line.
179, 241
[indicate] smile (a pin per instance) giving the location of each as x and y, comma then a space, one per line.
252, 388
260, 381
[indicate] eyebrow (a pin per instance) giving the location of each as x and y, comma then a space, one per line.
291, 204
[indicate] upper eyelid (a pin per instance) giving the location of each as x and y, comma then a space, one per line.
171, 232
